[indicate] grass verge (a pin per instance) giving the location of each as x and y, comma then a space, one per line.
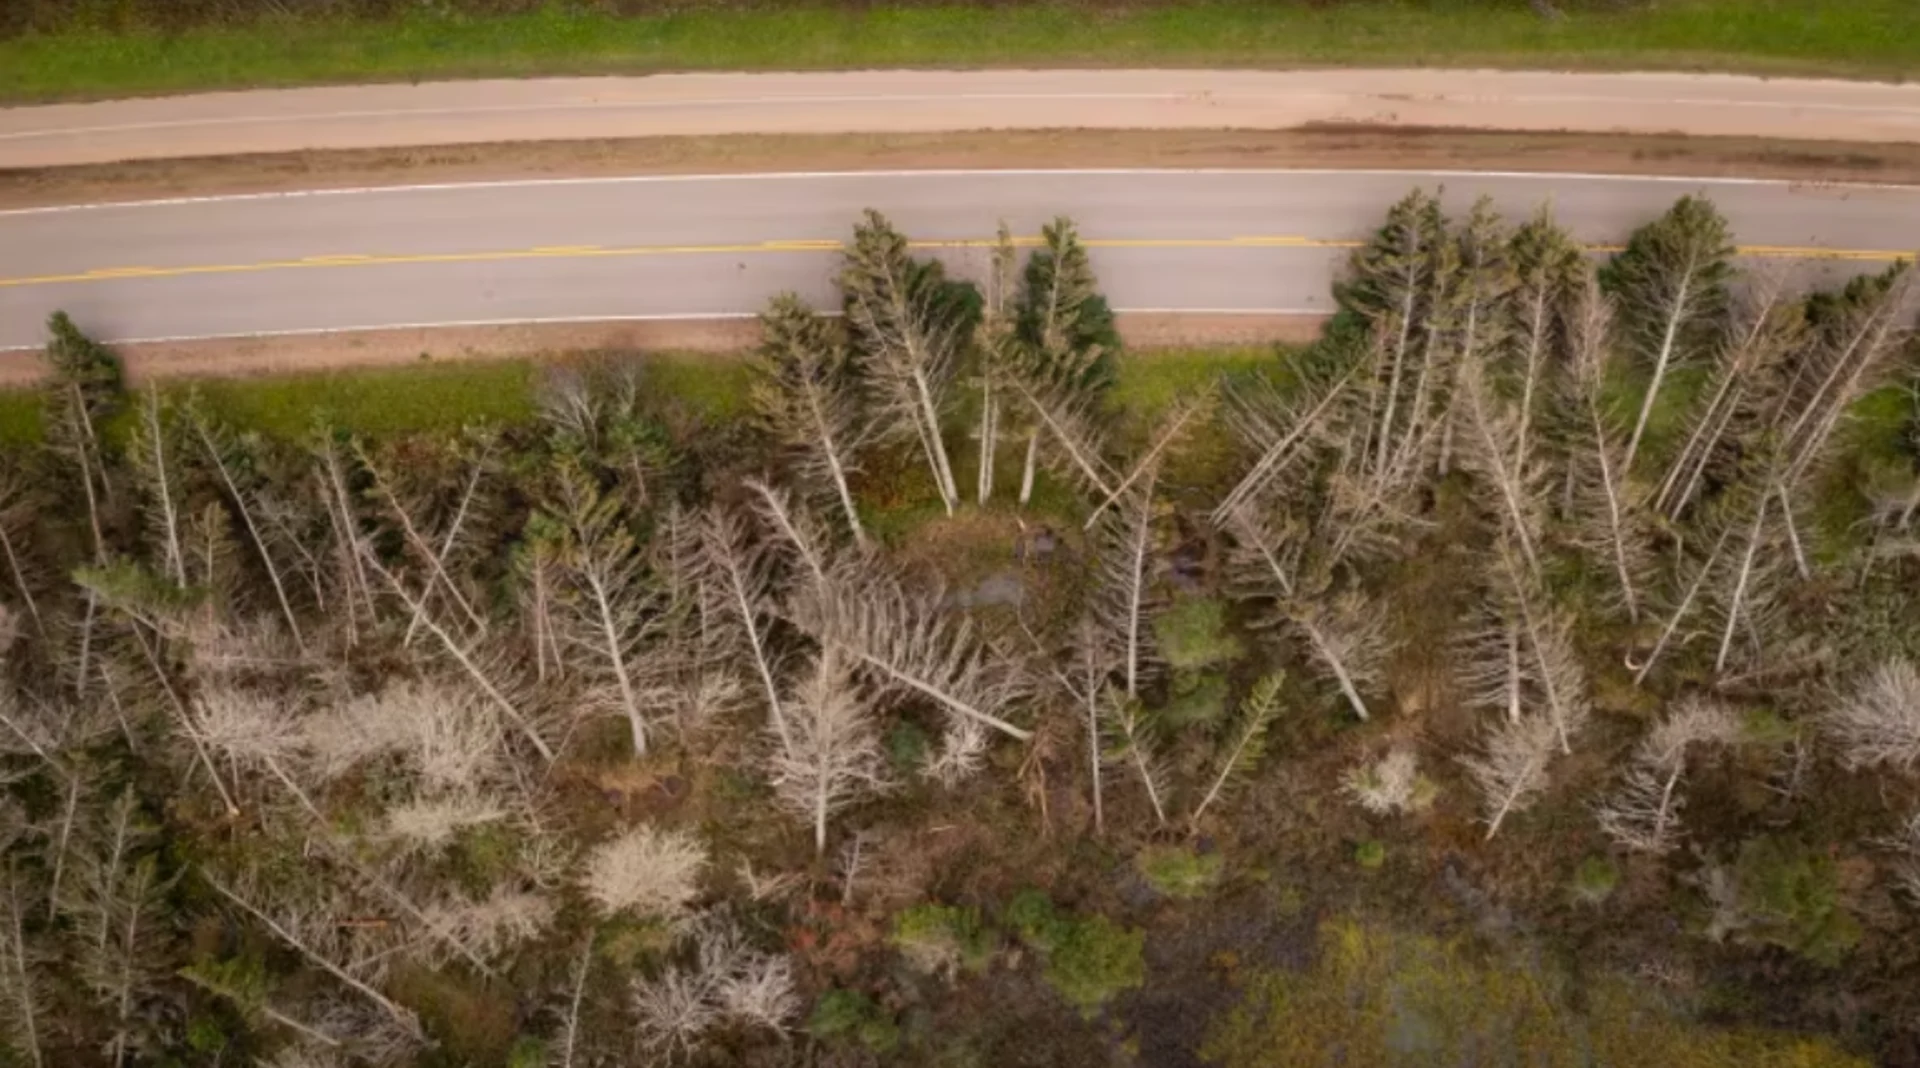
374, 402
445, 395
1873, 38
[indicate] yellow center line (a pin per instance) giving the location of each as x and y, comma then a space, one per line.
1256, 241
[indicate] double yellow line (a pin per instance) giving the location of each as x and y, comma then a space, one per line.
566, 252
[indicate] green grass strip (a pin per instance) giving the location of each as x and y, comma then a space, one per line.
432, 397
1869, 38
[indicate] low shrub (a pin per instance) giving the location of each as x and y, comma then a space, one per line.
849, 1017
1179, 872
943, 939
1789, 896
1090, 960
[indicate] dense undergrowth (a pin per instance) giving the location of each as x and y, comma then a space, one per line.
1523, 671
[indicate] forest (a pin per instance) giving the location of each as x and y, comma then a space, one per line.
1525, 672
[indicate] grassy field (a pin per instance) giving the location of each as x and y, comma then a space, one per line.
1872, 38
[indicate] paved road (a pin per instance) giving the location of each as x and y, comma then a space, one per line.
697, 246
895, 101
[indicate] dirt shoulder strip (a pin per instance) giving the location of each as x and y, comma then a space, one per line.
1321, 147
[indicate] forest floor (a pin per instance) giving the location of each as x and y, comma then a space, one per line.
1858, 38
1319, 147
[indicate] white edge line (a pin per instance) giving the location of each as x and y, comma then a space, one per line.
456, 324
536, 183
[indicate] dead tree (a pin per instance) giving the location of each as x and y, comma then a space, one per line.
1181, 417
23, 980
808, 399
493, 680
910, 332
1546, 664
1643, 814
226, 454
736, 564
1065, 339
1125, 597
1131, 739
1066, 437
997, 355
608, 607
1767, 328
1497, 449
908, 645
1671, 284
1510, 769
1877, 724
301, 928
148, 452
1248, 742
1547, 265
831, 756
120, 917
1344, 630
1607, 508
16, 508
1404, 284
1283, 429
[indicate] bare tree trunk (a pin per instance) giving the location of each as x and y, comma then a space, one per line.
568, 1042
1278, 453
60, 845
989, 436
935, 445
1148, 463
1800, 565
174, 560
1385, 431
1738, 603
185, 720
616, 658
436, 558
1026, 472
19, 574
831, 450
1328, 657
1679, 614
22, 982
750, 622
129, 946
1676, 315
398, 1014
253, 532
944, 699
466, 662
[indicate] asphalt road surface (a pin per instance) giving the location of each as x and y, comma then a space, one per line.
377, 116
1225, 241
